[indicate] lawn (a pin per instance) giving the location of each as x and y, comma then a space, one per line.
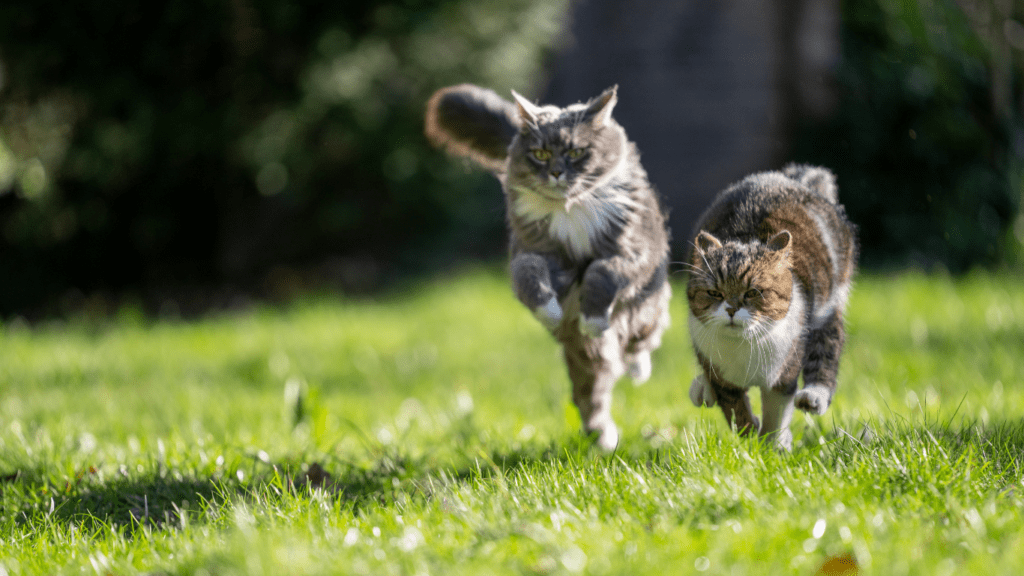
429, 431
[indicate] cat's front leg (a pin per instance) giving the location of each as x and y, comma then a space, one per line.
701, 393
736, 407
777, 413
821, 365
532, 283
601, 285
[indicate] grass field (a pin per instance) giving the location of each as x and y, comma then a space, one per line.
430, 432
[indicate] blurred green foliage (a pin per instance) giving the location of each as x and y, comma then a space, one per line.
928, 140
266, 145
171, 144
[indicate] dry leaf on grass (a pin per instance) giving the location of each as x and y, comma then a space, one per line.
844, 565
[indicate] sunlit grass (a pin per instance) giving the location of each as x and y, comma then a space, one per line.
442, 415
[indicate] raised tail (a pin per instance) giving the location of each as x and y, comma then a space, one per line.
820, 180
472, 122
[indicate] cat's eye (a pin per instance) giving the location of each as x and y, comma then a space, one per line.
715, 294
575, 153
752, 294
541, 154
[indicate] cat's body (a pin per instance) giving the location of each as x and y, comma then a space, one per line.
770, 275
588, 243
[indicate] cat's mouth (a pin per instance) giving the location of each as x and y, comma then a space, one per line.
732, 327
553, 191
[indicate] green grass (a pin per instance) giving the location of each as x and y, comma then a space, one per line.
442, 415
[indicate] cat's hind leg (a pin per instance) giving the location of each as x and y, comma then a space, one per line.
639, 367
595, 364
646, 323
821, 364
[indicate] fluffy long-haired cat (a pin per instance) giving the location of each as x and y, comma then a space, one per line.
770, 274
588, 243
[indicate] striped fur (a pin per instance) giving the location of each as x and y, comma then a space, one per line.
588, 242
770, 274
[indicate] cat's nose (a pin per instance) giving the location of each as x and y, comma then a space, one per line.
556, 173
731, 310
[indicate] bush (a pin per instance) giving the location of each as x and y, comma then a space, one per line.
157, 147
921, 143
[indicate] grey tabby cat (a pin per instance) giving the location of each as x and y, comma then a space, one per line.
770, 274
588, 243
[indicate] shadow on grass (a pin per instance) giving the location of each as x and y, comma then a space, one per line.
126, 504
395, 476
168, 501
997, 445
122, 504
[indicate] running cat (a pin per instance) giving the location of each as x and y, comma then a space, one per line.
770, 274
588, 241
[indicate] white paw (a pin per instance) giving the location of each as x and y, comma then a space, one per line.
814, 399
639, 368
608, 438
783, 440
593, 326
549, 314
701, 393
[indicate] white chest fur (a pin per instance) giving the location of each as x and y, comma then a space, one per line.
575, 224
751, 357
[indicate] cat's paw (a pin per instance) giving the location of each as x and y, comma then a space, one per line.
549, 314
639, 368
593, 326
701, 393
749, 429
607, 437
782, 440
813, 399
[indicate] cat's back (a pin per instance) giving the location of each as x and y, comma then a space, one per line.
741, 209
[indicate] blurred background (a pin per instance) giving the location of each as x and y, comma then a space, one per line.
184, 155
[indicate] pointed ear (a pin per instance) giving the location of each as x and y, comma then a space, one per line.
527, 111
780, 241
705, 241
599, 110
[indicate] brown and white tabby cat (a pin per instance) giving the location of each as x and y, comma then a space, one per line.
588, 242
770, 274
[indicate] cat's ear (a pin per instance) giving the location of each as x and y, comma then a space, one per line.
527, 110
780, 241
599, 110
705, 241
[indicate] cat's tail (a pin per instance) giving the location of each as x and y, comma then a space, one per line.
472, 122
820, 180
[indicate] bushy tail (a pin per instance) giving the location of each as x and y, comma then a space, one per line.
820, 180
472, 122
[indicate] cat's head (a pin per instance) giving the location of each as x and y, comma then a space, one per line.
560, 153
740, 287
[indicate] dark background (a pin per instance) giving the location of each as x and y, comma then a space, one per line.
186, 154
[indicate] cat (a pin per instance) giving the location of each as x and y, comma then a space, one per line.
588, 241
770, 273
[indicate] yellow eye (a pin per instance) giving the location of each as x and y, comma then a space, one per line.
575, 153
541, 154
752, 294
715, 294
